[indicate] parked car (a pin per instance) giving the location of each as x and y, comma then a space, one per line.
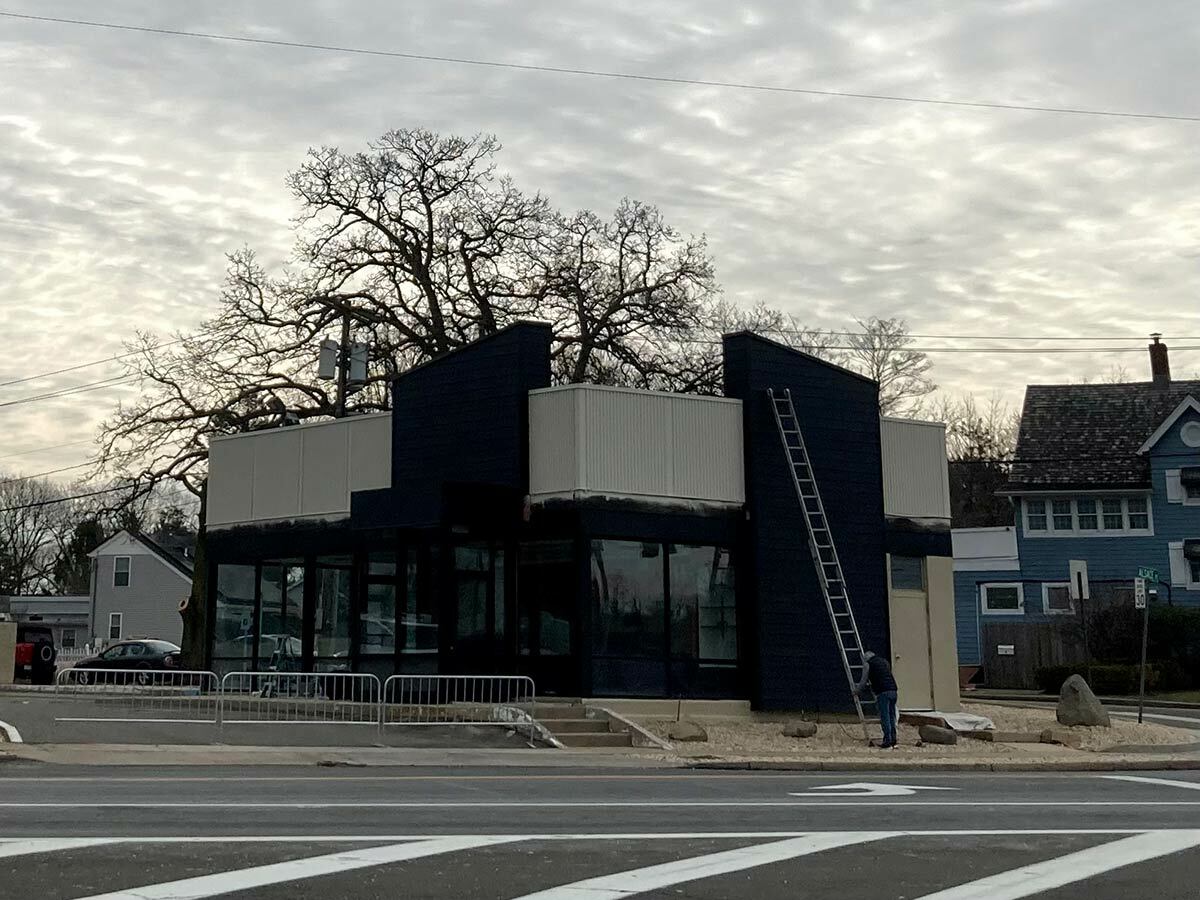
36, 653
141, 658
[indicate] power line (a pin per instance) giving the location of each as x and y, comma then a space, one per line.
44, 474
115, 381
46, 449
598, 73
86, 365
40, 503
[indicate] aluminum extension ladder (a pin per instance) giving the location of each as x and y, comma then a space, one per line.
824, 553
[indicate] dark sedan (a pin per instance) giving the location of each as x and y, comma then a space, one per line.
141, 658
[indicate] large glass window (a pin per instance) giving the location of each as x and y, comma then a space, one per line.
377, 616
472, 570
331, 628
545, 598
628, 606
419, 618
233, 630
281, 614
703, 612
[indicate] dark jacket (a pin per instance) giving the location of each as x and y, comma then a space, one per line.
879, 675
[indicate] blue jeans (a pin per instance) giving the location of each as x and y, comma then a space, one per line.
886, 703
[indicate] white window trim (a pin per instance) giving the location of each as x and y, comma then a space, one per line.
119, 620
1075, 531
983, 598
1176, 476
1187, 584
1046, 585
128, 570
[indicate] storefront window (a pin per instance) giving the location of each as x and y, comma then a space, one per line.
627, 599
546, 587
332, 618
281, 614
703, 611
233, 630
419, 619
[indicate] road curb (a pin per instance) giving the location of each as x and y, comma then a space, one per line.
1123, 702
1081, 765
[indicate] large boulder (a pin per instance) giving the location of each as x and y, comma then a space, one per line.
686, 732
936, 734
801, 730
1077, 705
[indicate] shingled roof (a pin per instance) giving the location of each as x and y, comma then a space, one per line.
1086, 436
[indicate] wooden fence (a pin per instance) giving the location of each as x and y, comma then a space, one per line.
1014, 651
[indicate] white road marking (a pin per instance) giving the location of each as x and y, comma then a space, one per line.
296, 870
650, 878
21, 847
816, 802
1053, 873
867, 789
1165, 782
11, 734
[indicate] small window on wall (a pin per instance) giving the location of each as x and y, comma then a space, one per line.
1004, 599
1035, 511
1056, 599
1086, 507
121, 571
1139, 514
908, 573
1061, 510
115, 621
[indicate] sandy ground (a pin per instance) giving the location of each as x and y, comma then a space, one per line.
761, 738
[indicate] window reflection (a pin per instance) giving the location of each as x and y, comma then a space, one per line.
627, 599
233, 630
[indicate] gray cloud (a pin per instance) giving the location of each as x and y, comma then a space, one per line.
129, 164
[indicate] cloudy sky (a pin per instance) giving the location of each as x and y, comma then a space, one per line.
131, 163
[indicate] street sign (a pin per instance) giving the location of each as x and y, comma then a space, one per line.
1150, 575
1006, 649
1080, 590
1139, 593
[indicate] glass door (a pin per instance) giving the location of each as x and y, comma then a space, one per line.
281, 616
478, 642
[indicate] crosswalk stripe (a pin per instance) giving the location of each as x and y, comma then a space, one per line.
47, 845
297, 869
1054, 873
637, 881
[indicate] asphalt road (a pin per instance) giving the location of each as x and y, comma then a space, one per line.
590, 835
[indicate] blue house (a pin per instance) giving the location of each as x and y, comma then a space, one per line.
1105, 473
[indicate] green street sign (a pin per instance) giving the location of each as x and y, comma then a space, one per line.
1150, 575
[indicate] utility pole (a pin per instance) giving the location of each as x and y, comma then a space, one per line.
345, 362
343, 369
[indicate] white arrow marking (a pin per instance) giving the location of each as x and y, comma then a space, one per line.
867, 789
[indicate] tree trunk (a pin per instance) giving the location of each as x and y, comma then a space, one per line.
195, 614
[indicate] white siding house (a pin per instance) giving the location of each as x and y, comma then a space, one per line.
136, 589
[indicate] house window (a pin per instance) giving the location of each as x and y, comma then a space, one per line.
1139, 515
1002, 598
1035, 511
1061, 510
1114, 517
121, 571
1056, 598
67, 641
1086, 506
1195, 573
908, 573
1189, 478
115, 621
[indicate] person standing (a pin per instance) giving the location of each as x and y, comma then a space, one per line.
878, 674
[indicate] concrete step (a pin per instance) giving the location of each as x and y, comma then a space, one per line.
558, 711
606, 739
577, 726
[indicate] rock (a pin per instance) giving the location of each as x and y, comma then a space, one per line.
1062, 736
1077, 705
935, 734
686, 732
801, 730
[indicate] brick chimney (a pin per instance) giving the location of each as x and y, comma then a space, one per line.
1160, 365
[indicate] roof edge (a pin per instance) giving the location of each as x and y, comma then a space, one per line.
1188, 402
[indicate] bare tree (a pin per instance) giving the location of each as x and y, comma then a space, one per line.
30, 520
882, 351
980, 442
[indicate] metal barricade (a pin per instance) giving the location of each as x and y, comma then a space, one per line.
460, 700
319, 698
137, 695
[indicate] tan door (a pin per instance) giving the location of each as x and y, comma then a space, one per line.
911, 657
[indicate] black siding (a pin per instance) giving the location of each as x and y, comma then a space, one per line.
795, 661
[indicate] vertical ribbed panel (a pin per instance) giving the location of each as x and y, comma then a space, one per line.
915, 476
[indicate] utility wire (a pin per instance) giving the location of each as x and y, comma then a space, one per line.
116, 381
52, 502
598, 73
46, 449
86, 365
44, 474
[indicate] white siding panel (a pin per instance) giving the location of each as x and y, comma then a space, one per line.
276, 493
231, 481
325, 470
553, 453
621, 442
304, 471
370, 453
916, 482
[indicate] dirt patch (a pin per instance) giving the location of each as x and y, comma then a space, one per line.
759, 738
